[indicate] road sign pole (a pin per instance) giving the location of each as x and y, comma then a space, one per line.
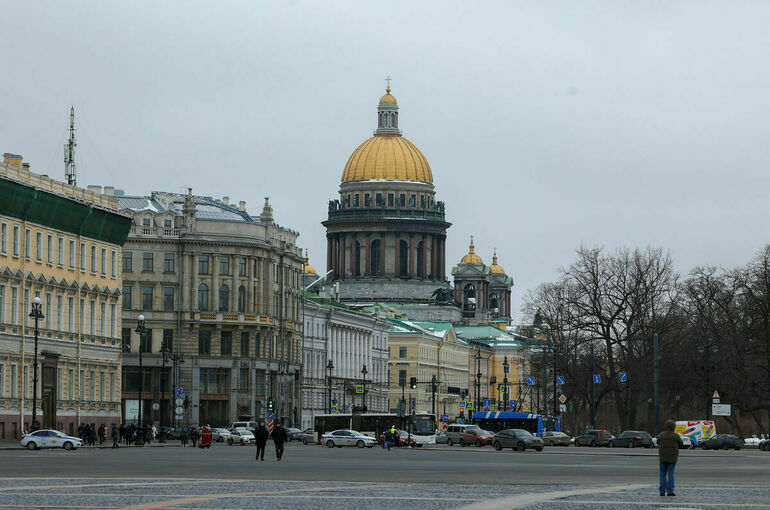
593, 387
655, 382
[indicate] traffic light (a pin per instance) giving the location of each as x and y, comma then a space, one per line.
413, 383
270, 405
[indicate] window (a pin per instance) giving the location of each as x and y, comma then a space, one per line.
168, 299
402, 352
226, 343
128, 262
60, 251
168, 340
2, 380
126, 294
39, 246
367, 200
374, 268
2, 303
146, 298
402, 377
402, 200
241, 299
412, 201
112, 321
93, 259
104, 262
15, 304
4, 238
125, 335
403, 248
91, 384
166, 223
256, 343
101, 386
49, 248
203, 297
146, 223
92, 317
145, 341
112, 386
390, 199
203, 264
242, 267
82, 309
71, 384
147, 262
224, 265
243, 379
379, 200
72, 254
70, 314
204, 342
214, 380
82, 256
224, 298
27, 243
168, 262
244, 344
82, 385
59, 313
16, 240
114, 264
48, 304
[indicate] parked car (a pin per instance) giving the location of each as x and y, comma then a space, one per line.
403, 438
631, 439
686, 442
764, 445
176, 432
306, 436
293, 433
476, 437
49, 438
723, 441
345, 437
553, 438
441, 437
453, 432
220, 435
593, 438
517, 439
250, 425
241, 437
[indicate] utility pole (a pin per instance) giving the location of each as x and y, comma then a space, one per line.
593, 387
70, 169
655, 382
555, 401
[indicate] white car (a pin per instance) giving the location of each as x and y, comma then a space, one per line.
241, 437
50, 439
686, 442
220, 435
345, 437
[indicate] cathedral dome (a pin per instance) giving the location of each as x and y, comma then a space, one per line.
495, 268
389, 157
387, 98
471, 257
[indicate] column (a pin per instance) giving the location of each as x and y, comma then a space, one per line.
433, 258
411, 268
328, 252
343, 273
397, 257
194, 283
214, 282
382, 255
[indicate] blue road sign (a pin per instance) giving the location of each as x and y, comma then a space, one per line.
461, 404
469, 406
560, 379
597, 378
531, 381
271, 416
487, 402
623, 377
179, 392
513, 405
444, 417
461, 421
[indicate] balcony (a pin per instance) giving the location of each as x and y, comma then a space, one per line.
156, 232
385, 213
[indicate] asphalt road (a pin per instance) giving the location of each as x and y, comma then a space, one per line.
316, 477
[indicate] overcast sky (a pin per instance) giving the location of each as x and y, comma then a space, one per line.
546, 124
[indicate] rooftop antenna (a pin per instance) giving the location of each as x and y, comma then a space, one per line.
70, 169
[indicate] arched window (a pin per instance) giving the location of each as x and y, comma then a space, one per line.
494, 302
357, 259
241, 299
469, 298
374, 256
392, 120
203, 297
420, 259
224, 298
403, 255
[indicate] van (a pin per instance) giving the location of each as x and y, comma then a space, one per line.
697, 430
453, 432
248, 425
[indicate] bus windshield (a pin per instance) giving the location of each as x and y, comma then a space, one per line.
423, 425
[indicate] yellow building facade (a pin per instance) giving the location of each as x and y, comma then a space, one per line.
62, 244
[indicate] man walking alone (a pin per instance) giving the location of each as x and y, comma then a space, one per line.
260, 438
669, 443
279, 437
115, 436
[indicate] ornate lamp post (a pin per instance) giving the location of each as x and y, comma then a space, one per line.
364, 371
142, 332
506, 369
36, 314
174, 358
478, 379
330, 367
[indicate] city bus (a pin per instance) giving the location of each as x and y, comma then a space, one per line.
495, 421
422, 426
371, 424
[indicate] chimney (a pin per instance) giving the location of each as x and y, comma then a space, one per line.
242, 206
94, 189
109, 191
226, 200
13, 160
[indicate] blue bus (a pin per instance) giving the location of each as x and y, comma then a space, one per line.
495, 421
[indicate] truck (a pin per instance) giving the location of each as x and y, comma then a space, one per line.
697, 430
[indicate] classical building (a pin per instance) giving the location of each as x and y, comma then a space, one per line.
220, 290
483, 292
351, 341
386, 234
62, 244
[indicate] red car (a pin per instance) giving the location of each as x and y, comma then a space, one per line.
476, 436
402, 439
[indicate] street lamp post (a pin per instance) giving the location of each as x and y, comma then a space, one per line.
364, 372
506, 369
174, 358
707, 347
37, 314
478, 376
433, 384
330, 367
142, 332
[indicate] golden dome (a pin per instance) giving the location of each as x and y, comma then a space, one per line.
389, 157
495, 268
387, 98
471, 257
306, 267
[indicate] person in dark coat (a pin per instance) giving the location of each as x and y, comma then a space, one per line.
131, 434
102, 433
279, 437
80, 432
183, 436
115, 433
260, 439
194, 436
669, 443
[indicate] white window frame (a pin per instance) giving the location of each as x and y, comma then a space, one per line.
14, 304
39, 246
70, 314
71, 384
72, 254
112, 320
4, 238
91, 317
104, 262
27, 243
83, 257
2, 380
59, 312
102, 317
114, 264
60, 251
49, 249
93, 259
16, 241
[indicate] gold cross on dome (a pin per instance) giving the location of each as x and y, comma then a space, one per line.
387, 81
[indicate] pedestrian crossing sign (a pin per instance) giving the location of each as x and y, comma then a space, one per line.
334, 409
359, 388
461, 404
469, 406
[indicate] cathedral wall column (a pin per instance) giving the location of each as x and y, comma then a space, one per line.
194, 285
397, 255
433, 268
382, 256
343, 273
328, 253
411, 269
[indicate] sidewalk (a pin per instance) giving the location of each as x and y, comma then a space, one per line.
15, 445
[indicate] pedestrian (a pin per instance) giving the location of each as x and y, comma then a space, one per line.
131, 434
386, 439
194, 436
669, 443
102, 433
279, 437
115, 433
121, 433
92, 434
80, 432
183, 437
260, 439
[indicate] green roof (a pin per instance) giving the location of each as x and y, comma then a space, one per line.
487, 334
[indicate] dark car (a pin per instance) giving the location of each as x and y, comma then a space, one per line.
723, 441
476, 437
765, 445
517, 439
553, 438
402, 439
294, 434
176, 432
631, 439
593, 438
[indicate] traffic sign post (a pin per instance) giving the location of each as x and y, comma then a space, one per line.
461, 404
563, 408
178, 392
359, 388
560, 379
623, 377
444, 417
721, 409
531, 381
469, 406
597, 378
563, 398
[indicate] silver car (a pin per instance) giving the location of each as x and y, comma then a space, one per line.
220, 435
344, 437
441, 437
49, 438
